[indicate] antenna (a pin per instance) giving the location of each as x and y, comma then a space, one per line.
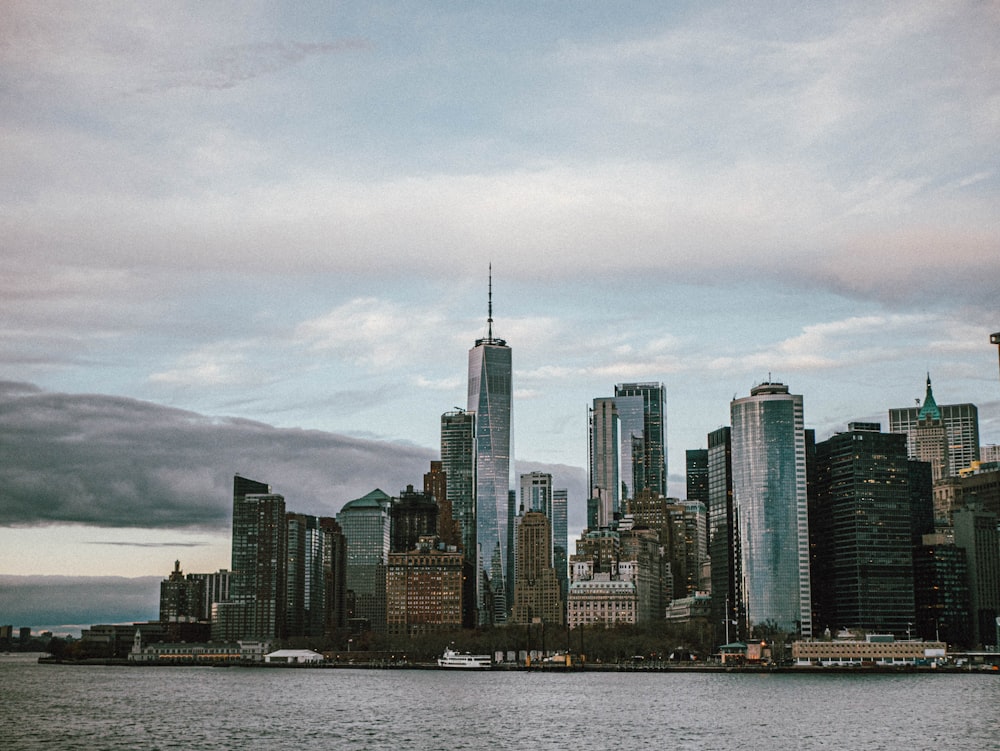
489, 320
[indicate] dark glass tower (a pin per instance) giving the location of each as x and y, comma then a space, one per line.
490, 399
642, 410
860, 520
458, 462
259, 560
723, 539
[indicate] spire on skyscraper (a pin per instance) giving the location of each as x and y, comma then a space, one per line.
930, 409
489, 317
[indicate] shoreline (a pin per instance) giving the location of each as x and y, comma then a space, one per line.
556, 669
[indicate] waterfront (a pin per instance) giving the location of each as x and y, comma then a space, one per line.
96, 707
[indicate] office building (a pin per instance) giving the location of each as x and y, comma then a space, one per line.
182, 599
490, 399
257, 589
770, 503
436, 486
941, 592
604, 457
601, 600
458, 462
560, 538
728, 614
642, 410
961, 423
307, 610
425, 588
696, 475
860, 521
537, 596
977, 534
366, 529
411, 516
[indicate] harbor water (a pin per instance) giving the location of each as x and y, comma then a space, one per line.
98, 707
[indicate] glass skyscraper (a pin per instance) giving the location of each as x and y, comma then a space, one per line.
769, 500
642, 411
490, 390
458, 462
605, 485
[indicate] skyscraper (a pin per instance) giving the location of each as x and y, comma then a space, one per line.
696, 475
605, 453
537, 590
724, 538
259, 561
458, 462
307, 590
961, 423
365, 525
413, 515
560, 538
977, 534
861, 523
642, 409
490, 391
769, 498
536, 492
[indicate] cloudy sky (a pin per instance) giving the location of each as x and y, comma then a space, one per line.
255, 239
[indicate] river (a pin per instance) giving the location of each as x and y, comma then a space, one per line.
97, 708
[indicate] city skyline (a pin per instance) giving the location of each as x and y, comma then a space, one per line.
260, 247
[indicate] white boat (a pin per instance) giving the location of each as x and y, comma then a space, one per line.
464, 660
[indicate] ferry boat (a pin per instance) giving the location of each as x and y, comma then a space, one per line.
464, 660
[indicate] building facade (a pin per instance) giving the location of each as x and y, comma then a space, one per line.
770, 502
537, 593
366, 529
458, 462
642, 410
259, 576
604, 456
425, 588
490, 400
860, 521
961, 423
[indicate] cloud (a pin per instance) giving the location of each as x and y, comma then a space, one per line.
116, 462
226, 67
62, 604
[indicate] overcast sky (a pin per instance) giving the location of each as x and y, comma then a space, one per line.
255, 239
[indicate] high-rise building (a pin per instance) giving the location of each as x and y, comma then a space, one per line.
728, 613
536, 588
642, 410
770, 502
490, 399
560, 539
436, 486
365, 525
215, 588
413, 515
961, 424
860, 521
259, 558
696, 476
182, 599
334, 574
536, 492
425, 588
941, 591
306, 591
458, 462
977, 534
604, 450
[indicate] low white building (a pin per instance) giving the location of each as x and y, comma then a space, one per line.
293, 657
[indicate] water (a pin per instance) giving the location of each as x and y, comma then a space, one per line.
96, 708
